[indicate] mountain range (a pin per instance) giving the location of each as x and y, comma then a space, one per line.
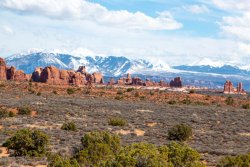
199, 74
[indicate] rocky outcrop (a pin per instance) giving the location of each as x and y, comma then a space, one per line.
52, 75
229, 88
98, 78
36, 74
176, 83
3, 69
10, 73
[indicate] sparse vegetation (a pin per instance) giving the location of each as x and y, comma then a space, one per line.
98, 148
55, 92
137, 94
120, 92
4, 113
28, 143
246, 106
235, 161
71, 91
192, 91
39, 94
116, 121
180, 132
229, 100
61, 161
118, 97
172, 102
24, 110
130, 89
69, 126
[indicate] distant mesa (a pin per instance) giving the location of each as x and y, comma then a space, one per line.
229, 88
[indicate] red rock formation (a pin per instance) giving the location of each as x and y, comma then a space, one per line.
98, 78
20, 76
50, 75
36, 74
176, 83
10, 73
137, 81
82, 70
3, 69
228, 87
111, 81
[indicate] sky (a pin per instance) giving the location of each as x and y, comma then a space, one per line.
172, 31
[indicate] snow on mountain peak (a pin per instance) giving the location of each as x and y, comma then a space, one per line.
207, 62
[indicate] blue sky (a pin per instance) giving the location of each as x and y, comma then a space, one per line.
170, 31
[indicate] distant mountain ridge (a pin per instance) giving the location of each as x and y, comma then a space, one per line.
108, 65
211, 75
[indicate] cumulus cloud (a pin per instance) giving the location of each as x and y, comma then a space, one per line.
232, 4
85, 10
196, 9
236, 25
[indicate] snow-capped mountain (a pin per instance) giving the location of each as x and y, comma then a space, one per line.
108, 65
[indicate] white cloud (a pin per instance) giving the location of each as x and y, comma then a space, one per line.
85, 10
232, 5
196, 9
7, 29
236, 24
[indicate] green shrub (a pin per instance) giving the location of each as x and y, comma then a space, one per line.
28, 143
70, 91
59, 161
130, 89
69, 126
118, 98
235, 161
2, 85
55, 92
11, 114
39, 94
98, 148
24, 111
229, 100
4, 113
172, 102
120, 92
192, 91
115, 121
180, 132
142, 155
137, 94
181, 155
246, 106
151, 93
31, 90
186, 101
